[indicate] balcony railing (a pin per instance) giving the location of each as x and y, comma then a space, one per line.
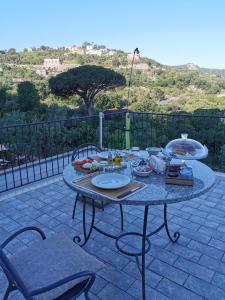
31, 152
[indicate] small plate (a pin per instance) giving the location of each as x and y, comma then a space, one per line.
104, 154
110, 181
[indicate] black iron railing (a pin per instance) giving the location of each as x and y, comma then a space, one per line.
31, 152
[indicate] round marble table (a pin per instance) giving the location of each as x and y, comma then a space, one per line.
156, 192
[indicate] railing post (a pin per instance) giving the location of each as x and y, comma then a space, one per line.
101, 116
127, 132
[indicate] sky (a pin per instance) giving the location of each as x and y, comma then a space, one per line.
173, 32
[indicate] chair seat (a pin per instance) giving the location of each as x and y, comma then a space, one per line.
50, 260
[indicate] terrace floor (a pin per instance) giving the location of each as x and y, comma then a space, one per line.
193, 268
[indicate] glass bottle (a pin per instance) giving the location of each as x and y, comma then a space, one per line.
117, 159
110, 158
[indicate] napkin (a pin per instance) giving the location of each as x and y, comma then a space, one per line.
159, 166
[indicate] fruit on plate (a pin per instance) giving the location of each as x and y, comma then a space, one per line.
146, 168
80, 163
87, 165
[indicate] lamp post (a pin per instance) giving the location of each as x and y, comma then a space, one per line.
127, 135
136, 52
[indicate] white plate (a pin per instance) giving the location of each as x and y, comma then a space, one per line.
110, 181
104, 154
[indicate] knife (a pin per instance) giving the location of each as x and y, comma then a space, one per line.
128, 192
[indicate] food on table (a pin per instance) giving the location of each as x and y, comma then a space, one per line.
184, 148
87, 164
146, 168
142, 167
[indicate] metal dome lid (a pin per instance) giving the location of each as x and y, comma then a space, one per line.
185, 148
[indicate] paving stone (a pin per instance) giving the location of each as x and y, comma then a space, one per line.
185, 223
204, 222
98, 285
206, 290
219, 280
205, 249
151, 294
168, 271
151, 277
48, 221
195, 235
112, 257
184, 252
217, 244
9, 224
212, 264
175, 291
195, 212
163, 255
111, 292
117, 278
194, 269
206, 231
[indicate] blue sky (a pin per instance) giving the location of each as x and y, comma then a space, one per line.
171, 31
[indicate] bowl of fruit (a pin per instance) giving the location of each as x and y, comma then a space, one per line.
142, 168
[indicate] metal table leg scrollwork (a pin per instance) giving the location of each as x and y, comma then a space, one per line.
144, 235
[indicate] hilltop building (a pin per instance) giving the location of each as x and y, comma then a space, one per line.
52, 63
75, 49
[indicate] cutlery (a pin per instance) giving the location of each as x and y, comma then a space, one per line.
128, 192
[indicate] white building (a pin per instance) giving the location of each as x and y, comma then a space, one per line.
75, 49
52, 63
89, 47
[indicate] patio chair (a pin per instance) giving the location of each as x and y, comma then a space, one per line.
84, 150
52, 268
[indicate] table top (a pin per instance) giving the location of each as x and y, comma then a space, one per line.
156, 191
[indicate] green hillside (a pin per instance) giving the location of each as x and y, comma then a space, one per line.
155, 87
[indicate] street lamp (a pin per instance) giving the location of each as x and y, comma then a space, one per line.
136, 52
127, 122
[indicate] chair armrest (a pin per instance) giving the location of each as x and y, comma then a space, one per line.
61, 282
31, 228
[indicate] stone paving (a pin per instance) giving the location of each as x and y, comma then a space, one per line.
193, 268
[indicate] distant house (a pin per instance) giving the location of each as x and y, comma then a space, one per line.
29, 50
52, 63
94, 52
89, 47
75, 49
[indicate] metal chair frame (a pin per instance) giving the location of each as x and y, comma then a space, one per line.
15, 282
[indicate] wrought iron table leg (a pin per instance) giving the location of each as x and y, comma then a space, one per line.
9, 289
87, 235
176, 234
121, 218
144, 235
75, 205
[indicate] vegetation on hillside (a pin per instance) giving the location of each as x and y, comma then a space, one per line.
155, 87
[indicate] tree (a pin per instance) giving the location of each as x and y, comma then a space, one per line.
86, 81
12, 50
28, 97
